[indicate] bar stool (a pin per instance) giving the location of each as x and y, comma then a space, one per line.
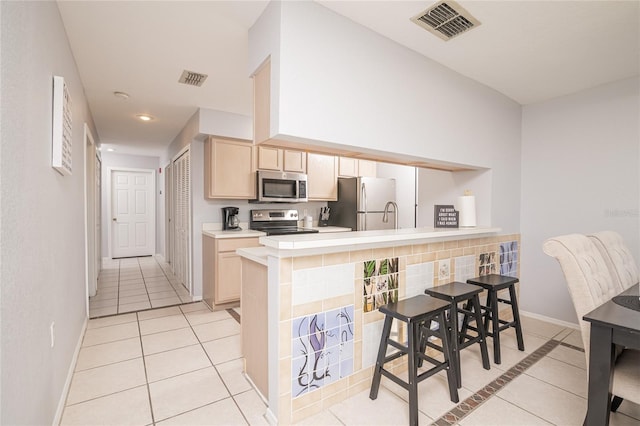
493, 283
454, 293
417, 312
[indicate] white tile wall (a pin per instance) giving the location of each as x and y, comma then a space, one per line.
419, 277
315, 284
465, 268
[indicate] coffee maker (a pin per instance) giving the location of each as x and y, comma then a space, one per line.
230, 220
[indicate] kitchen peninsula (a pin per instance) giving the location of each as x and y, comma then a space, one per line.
310, 325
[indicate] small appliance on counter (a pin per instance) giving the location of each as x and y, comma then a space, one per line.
277, 222
230, 221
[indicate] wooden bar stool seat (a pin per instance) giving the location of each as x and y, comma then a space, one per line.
455, 293
417, 312
493, 283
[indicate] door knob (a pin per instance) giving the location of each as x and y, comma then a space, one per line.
114, 219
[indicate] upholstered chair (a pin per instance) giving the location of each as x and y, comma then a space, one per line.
622, 266
591, 284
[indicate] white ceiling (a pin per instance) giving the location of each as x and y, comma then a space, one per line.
528, 50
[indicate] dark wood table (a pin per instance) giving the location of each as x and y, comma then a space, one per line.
611, 324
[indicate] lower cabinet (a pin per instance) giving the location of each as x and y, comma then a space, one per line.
222, 268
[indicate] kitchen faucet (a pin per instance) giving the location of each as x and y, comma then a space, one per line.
385, 216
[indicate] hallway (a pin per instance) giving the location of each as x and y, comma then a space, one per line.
135, 284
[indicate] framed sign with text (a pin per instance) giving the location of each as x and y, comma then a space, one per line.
445, 216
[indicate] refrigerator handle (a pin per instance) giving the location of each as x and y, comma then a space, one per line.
364, 201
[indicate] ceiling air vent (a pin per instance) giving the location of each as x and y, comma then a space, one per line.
446, 19
192, 78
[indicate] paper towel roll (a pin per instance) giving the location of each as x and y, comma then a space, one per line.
467, 208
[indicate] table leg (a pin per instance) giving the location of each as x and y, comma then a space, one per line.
601, 362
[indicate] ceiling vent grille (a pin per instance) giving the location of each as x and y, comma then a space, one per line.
192, 78
446, 19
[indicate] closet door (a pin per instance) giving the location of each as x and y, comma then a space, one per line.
181, 175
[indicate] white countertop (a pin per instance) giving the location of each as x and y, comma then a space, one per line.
305, 244
245, 233
256, 254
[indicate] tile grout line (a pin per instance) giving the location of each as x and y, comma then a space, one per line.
467, 406
217, 372
146, 376
145, 283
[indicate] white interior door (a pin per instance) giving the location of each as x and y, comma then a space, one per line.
132, 213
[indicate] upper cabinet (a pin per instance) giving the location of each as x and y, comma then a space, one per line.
354, 167
269, 158
278, 159
261, 103
229, 169
295, 161
322, 171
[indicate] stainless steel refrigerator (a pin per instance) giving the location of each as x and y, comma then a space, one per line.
361, 203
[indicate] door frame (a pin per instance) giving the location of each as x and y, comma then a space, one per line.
90, 196
108, 219
168, 213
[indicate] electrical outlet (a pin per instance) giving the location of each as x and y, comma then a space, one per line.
52, 329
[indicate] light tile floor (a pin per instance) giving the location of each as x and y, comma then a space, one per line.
135, 284
181, 365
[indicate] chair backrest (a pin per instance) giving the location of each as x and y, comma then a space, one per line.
586, 273
618, 258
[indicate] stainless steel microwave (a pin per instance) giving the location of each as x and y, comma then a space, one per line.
281, 187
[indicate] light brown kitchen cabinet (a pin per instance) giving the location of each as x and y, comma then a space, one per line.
354, 167
295, 161
270, 158
322, 175
222, 268
279, 159
229, 166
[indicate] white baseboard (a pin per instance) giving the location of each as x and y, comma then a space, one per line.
551, 320
67, 383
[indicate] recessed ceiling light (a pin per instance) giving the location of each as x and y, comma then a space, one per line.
121, 95
145, 117
110, 149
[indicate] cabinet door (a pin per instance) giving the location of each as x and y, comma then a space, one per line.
367, 168
261, 103
322, 171
295, 161
208, 271
347, 167
269, 158
228, 276
229, 169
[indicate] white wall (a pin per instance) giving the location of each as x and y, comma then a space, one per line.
115, 160
580, 173
397, 101
444, 187
42, 216
405, 177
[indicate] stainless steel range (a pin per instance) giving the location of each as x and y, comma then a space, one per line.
277, 222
